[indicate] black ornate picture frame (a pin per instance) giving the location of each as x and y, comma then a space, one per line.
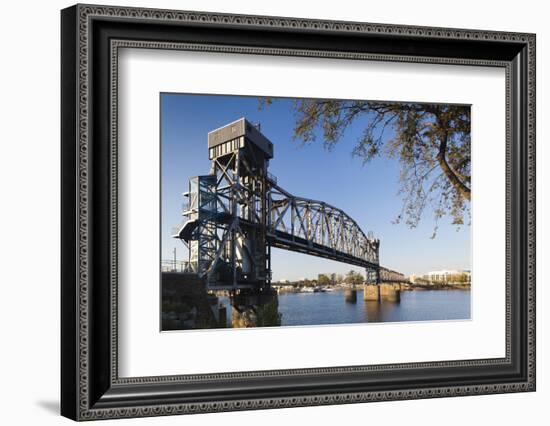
90, 38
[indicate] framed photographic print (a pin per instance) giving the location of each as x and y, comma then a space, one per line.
263, 212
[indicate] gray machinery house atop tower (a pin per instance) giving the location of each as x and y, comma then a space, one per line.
238, 212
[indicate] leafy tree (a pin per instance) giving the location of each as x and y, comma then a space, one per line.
353, 277
323, 280
430, 141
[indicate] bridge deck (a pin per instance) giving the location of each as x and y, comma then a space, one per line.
291, 242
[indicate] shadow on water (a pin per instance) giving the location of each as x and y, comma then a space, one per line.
383, 311
373, 311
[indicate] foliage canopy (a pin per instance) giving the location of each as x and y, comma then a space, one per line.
431, 142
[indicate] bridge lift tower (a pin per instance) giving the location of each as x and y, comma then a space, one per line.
227, 213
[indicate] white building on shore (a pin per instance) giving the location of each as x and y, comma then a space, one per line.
442, 277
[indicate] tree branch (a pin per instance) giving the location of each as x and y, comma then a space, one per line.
461, 188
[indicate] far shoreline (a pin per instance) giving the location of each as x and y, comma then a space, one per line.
427, 287
289, 289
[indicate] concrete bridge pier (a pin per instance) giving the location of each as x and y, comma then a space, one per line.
350, 295
390, 292
371, 292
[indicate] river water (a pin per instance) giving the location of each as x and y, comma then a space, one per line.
331, 308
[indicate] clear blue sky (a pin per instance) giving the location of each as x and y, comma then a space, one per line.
367, 193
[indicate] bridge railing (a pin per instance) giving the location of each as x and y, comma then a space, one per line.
175, 266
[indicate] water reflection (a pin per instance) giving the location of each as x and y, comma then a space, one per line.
380, 311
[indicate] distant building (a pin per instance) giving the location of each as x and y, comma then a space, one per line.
417, 279
442, 277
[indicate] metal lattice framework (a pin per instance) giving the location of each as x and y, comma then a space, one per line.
320, 229
387, 275
201, 225
226, 220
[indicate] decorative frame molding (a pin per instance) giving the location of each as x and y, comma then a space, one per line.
91, 37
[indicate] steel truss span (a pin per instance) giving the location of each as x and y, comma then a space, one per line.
317, 228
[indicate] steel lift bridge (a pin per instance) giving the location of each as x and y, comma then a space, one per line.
238, 212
